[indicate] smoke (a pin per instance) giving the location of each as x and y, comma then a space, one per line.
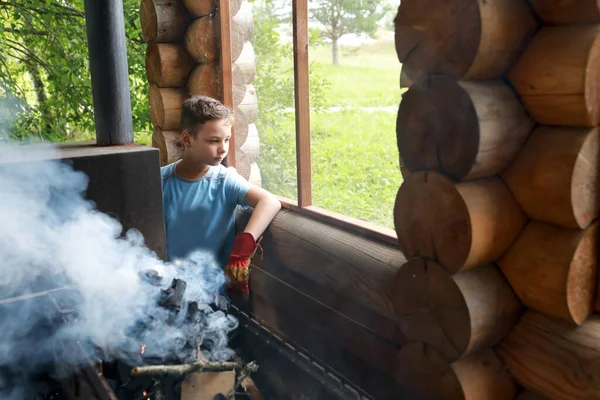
51, 237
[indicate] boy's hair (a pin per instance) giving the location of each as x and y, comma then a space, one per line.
198, 110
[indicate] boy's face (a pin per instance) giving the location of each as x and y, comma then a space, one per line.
211, 143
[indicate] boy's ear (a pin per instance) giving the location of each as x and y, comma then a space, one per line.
186, 139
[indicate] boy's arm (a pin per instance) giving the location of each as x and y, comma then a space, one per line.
265, 205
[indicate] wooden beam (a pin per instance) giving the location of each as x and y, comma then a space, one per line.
226, 69
301, 94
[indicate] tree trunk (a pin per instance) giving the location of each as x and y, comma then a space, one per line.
40, 95
466, 130
459, 225
555, 176
558, 76
334, 50
552, 357
553, 270
456, 314
468, 39
478, 376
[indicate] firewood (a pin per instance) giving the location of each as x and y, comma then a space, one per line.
553, 12
459, 225
479, 376
167, 64
165, 106
456, 314
183, 369
201, 40
169, 145
205, 79
466, 130
163, 21
555, 177
553, 270
553, 358
247, 62
557, 76
200, 8
468, 39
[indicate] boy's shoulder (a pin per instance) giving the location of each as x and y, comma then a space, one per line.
167, 171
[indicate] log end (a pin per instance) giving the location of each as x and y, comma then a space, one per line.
585, 181
157, 107
148, 20
582, 276
432, 220
433, 36
153, 64
434, 133
200, 8
201, 40
592, 83
430, 308
205, 80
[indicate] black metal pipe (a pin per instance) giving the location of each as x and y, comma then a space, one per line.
105, 26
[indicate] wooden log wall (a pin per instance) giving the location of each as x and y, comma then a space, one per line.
498, 213
182, 59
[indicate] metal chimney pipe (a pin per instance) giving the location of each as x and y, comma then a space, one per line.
105, 26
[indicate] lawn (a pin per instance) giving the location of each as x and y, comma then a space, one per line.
353, 149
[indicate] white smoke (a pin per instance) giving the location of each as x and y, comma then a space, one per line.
51, 237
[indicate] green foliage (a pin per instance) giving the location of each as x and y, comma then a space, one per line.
45, 85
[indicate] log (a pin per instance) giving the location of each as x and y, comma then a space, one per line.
459, 225
240, 127
163, 21
165, 107
467, 39
456, 314
478, 376
245, 19
169, 145
403, 170
205, 79
255, 177
238, 32
234, 6
247, 62
240, 86
200, 8
183, 369
564, 12
201, 40
527, 395
167, 64
252, 144
249, 104
242, 164
553, 270
466, 130
555, 177
558, 76
405, 81
553, 358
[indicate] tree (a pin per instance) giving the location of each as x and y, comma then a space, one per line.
45, 84
339, 17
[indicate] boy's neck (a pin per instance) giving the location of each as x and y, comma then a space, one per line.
187, 169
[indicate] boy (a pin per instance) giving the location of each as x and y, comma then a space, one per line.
200, 195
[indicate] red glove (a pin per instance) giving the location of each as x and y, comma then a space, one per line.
238, 268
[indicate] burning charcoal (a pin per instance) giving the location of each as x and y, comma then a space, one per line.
150, 276
173, 296
192, 311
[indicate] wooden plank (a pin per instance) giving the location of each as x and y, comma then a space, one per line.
342, 270
356, 353
301, 94
226, 69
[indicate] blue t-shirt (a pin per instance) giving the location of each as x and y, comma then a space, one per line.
200, 214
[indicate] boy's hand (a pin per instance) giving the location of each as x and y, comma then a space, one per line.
238, 268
